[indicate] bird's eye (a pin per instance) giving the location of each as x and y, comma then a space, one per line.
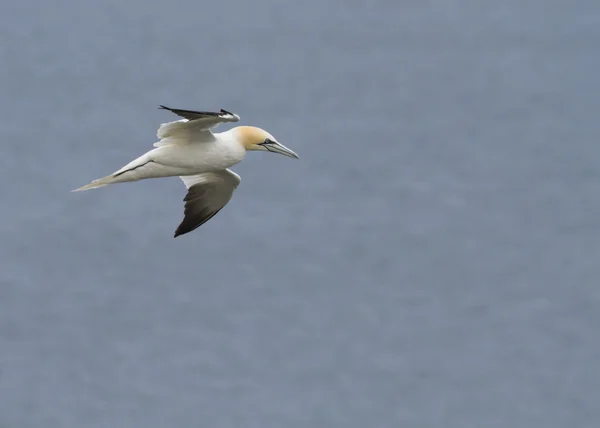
266, 142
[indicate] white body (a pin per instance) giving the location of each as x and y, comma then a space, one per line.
219, 151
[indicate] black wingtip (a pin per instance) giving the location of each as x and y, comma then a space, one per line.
163, 107
180, 231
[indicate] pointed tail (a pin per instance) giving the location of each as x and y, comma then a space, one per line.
137, 169
101, 182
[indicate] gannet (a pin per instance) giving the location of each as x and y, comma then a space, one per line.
188, 148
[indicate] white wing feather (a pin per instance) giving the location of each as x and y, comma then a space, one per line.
195, 127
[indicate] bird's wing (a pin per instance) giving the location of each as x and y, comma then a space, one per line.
194, 127
211, 118
207, 194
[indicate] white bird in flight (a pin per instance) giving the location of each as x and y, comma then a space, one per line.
189, 149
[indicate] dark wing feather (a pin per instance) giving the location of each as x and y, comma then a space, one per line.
196, 211
207, 194
222, 116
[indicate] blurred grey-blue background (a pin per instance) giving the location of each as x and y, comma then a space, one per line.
432, 260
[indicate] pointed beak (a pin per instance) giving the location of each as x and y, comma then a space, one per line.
276, 147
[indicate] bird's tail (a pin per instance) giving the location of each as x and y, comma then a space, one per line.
138, 169
101, 182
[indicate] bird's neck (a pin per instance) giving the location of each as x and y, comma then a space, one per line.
228, 144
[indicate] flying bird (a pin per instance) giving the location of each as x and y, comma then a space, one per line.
189, 149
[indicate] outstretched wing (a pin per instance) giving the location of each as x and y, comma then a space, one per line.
195, 126
207, 194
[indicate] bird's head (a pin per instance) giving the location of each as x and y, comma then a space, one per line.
253, 138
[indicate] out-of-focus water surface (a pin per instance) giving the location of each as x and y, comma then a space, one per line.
431, 261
